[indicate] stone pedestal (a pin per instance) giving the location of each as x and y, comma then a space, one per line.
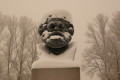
56, 74
56, 67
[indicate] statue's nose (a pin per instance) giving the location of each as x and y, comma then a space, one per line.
56, 28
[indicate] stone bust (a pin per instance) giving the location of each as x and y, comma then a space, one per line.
56, 31
57, 50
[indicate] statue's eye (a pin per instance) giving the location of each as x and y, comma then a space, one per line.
60, 25
51, 27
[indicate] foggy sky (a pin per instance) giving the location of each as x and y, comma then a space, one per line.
82, 11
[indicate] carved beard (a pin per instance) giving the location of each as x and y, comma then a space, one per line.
56, 39
57, 51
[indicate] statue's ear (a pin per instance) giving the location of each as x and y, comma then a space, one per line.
42, 28
70, 28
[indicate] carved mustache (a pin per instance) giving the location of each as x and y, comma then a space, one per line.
47, 35
56, 33
64, 36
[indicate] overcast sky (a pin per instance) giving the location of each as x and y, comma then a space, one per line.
82, 11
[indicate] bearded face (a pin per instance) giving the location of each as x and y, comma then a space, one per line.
56, 32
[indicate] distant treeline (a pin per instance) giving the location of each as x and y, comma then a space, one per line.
102, 56
18, 39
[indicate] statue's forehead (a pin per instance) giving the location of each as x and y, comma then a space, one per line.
56, 20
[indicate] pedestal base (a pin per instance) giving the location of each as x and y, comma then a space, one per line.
56, 67
56, 73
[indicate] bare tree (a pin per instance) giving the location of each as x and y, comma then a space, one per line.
19, 37
95, 55
2, 26
34, 40
10, 38
2, 22
113, 54
115, 41
26, 27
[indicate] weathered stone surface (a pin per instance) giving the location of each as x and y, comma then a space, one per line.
56, 74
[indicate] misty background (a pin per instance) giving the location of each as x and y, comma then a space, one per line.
19, 20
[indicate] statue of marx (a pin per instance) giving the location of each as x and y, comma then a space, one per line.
56, 31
